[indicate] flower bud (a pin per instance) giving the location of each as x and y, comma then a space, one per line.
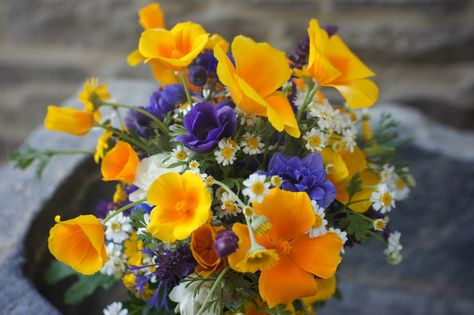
226, 243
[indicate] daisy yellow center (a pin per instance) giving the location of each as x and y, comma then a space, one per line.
400, 183
229, 205
182, 208
227, 152
386, 199
181, 155
116, 227
183, 106
252, 143
318, 222
283, 248
379, 225
258, 188
314, 141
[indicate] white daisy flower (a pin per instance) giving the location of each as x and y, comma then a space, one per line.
256, 188
379, 225
115, 265
326, 114
394, 248
180, 153
342, 236
225, 154
251, 144
115, 308
118, 228
400, 187
315, 140
228, 206
387, 175
348, 138
246, 119
319, 226
383, 199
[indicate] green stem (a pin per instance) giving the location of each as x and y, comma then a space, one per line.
306, 102
182, 79
126, 137
67, 152
211, 291
116, 212
158, 122
357, 201
227, 189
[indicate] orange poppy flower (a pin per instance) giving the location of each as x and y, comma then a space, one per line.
79, 243
202, 242
333, 64
259, 71
120, 163
182, 205
344, 165
301, 258
69, 120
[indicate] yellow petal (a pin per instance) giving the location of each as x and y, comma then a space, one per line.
280, 114
326, 290
162, 73
244, 245
225, 68
151, 16
338, 171
135, 57
358, 93
340, 56
263, 67
69, 120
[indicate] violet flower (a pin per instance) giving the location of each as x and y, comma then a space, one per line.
206, 124
306, 175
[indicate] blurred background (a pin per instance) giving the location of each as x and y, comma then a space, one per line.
421, 50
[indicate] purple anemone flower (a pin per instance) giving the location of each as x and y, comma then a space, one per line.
306, 175
206, 124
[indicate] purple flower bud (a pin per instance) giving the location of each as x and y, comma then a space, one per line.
207, 60
226, 243
197, 75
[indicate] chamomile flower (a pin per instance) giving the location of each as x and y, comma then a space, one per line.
387, 175
256, 188
276, 181
116, 264
225, 154
348, 139
118, 228
115, 308
319, 226
394, 248
246, 119
341, 234
400, 187
194, 165
209, 180
251, 144
315, 140
326, 114
383, 199
228, 206
180, 153
379, 225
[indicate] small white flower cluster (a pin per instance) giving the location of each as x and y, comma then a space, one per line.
397, 184
118, 228
115, 266
228, 206
225, 153
246, 119
394, 248
251, 144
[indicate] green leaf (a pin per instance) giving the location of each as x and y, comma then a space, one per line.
56, 272
354, 185
85, 286
357, 225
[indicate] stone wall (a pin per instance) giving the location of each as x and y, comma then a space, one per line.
422, 50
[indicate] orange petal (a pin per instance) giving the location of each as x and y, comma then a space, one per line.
156, 43
285, 283
120, 163
151, 16
281, 115
290, 213
340, 56
272, 64
319, 255
358, 93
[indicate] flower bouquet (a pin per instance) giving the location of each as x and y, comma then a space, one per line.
239, 185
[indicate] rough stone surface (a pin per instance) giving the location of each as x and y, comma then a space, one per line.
421, 50
24, 196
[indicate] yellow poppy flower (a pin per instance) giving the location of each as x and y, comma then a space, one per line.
182, 204
259, 71
69, 120
333, 64
300, 257
120, 163
79, 243
175, 48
